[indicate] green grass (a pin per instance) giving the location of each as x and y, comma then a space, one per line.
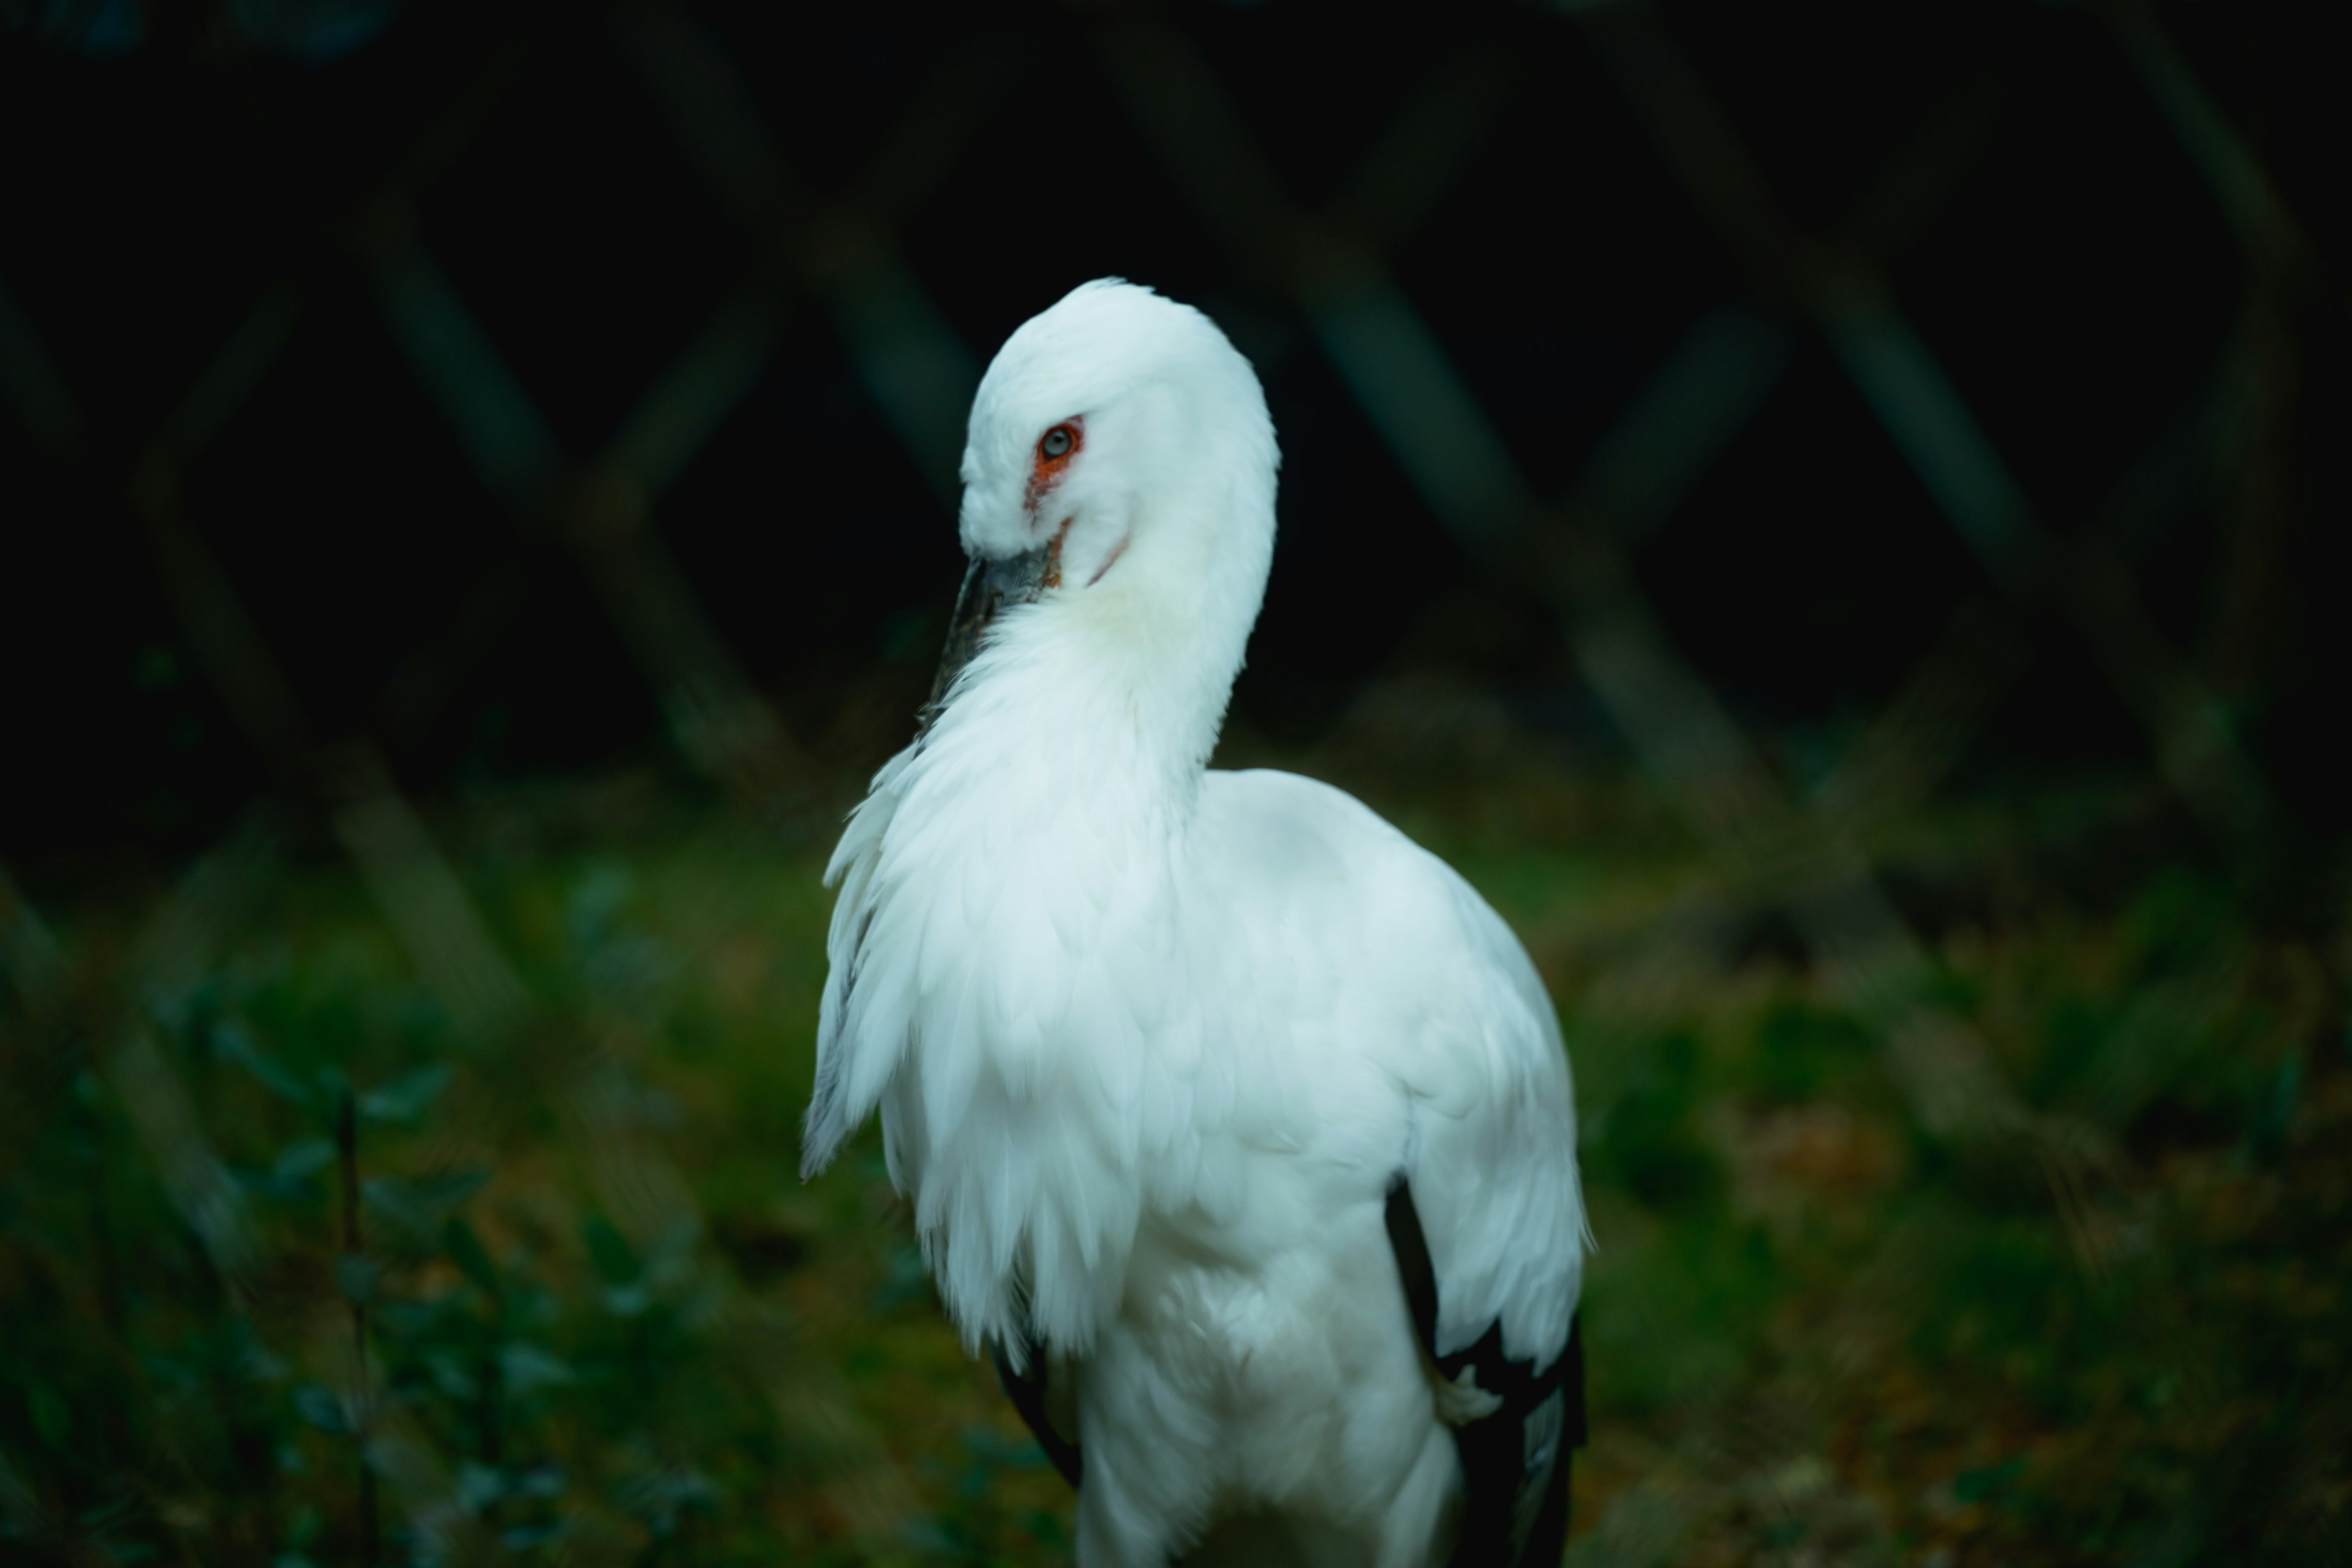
604, 1322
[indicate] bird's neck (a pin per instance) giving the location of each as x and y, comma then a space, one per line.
1062, 728
1104, 704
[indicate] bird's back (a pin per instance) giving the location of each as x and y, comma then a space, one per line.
1262, 1373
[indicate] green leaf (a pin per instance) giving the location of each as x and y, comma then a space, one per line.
418, 1207
406, 1098
609, 1250
472, 1258
358, 1276
1986, 1481
232, 1041
2278, 1112
320, 1407
479, 1486
450, 1376
541, 1480
525, 1367
450, 1189
52, 1417
299, 1162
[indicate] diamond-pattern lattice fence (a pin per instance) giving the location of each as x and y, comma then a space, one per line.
825, 256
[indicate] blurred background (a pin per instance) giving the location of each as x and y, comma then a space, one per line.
1821, 513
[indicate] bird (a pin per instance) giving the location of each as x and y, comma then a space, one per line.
1238, 1128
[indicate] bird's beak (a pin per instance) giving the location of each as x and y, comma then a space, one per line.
988, 587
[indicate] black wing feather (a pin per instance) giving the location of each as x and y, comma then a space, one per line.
1515, 1463
1027, 1388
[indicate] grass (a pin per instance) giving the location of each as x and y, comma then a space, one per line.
282, 1244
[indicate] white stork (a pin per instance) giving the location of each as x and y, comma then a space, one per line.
1237, 1126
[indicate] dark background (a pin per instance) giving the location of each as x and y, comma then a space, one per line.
2044, 226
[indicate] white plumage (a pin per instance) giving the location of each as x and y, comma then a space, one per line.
1151, 1042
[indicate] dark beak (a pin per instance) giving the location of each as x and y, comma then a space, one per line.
988, 587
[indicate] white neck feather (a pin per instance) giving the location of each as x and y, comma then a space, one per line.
997, 887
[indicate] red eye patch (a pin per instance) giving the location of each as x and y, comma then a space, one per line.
1055, 448
1052, 458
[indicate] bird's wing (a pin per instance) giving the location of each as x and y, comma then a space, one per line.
1486, 1219
1435, 996
1514, 1425
1383, 965
1026, 1374
1491, 1153
846, 1088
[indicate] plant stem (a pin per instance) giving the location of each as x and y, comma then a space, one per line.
347, 1151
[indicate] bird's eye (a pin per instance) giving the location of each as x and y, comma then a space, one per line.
1058, 442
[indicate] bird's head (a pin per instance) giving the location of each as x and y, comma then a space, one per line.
1119, 460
